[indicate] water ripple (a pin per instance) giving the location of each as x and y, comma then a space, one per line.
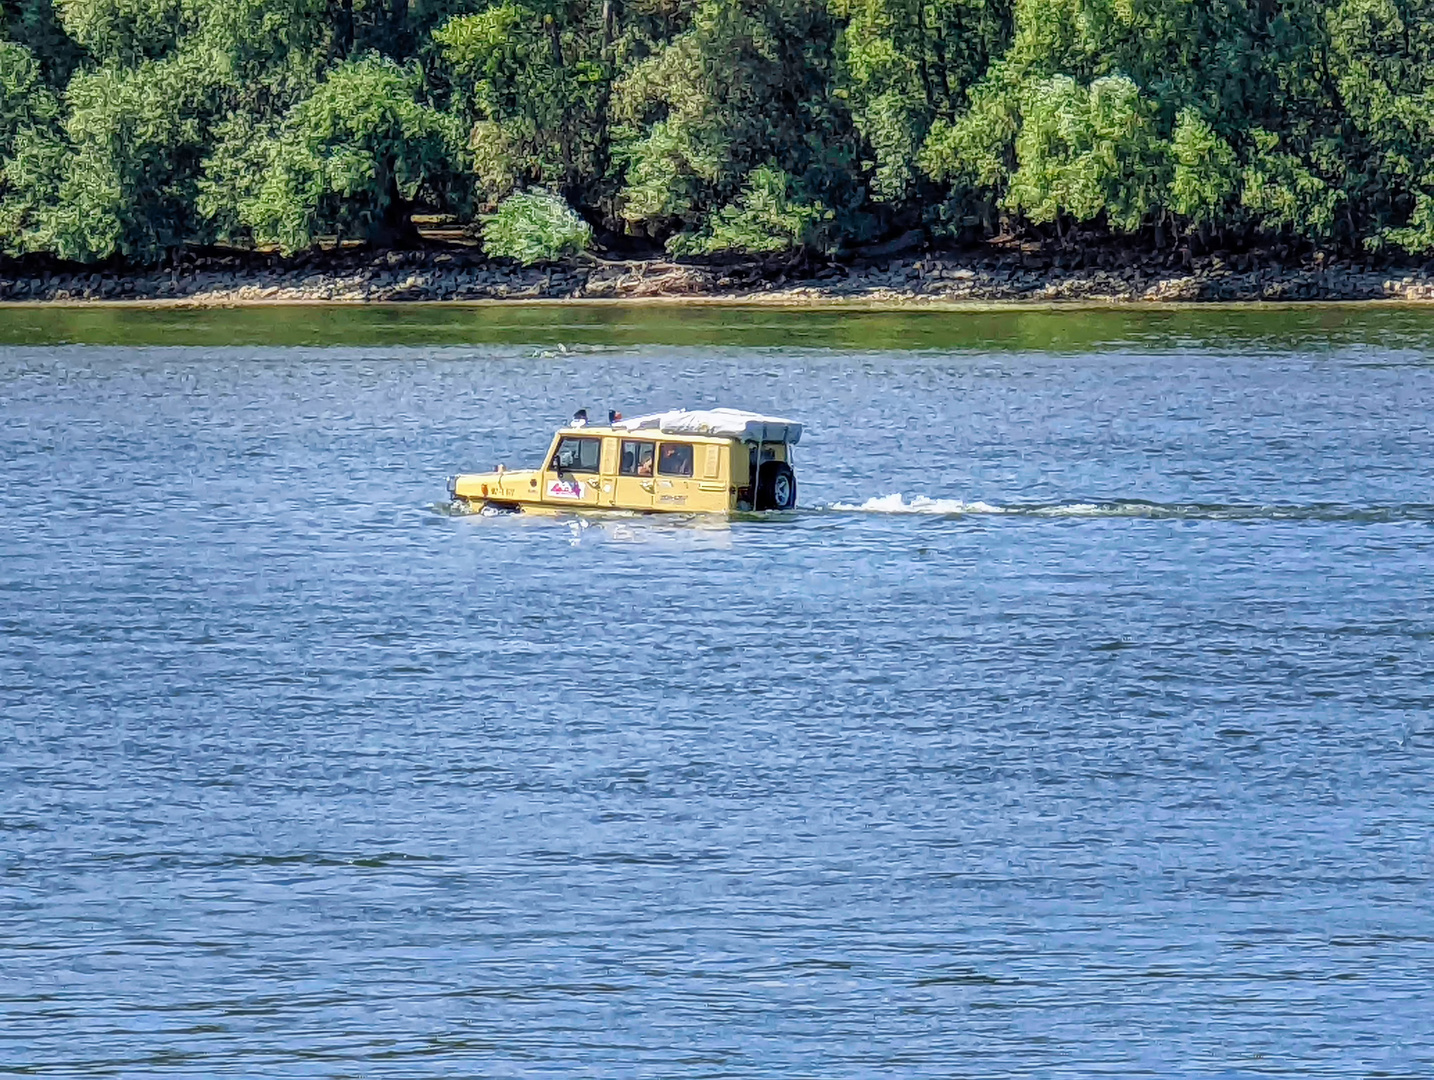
1105, 748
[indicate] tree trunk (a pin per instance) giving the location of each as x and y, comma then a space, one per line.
602, 158
342, 42
921, 65
398, 41
555, 40
395, 227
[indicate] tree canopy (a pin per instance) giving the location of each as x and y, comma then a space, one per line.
134, 128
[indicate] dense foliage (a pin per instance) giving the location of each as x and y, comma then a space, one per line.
535, 226
133, 128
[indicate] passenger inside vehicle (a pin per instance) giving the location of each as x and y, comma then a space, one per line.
637, 458
675, 460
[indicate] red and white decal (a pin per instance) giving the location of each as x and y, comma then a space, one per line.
565, 489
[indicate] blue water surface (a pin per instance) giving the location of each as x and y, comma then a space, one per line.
1077, 724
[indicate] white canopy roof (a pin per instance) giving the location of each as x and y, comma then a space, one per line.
724, 423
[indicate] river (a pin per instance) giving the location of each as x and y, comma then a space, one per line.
1078, 722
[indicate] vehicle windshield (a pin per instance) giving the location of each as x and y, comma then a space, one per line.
577, 455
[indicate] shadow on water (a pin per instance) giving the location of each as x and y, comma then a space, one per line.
1073, 329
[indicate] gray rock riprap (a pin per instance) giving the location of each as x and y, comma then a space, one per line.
1006, 276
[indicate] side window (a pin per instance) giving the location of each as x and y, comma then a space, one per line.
577, 455
675, 459
637, 458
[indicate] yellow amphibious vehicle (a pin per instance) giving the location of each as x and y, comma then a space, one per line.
691, 461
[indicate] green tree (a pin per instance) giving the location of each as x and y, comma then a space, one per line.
1199, 81
906, 64
1285, 194
126, 32
1382, 61
352, 159
25, 100
745, 84
35, 24
1087, 152
764, 219
135, 127
529, 95
534, 227
31, 152
1205, 175
135, 138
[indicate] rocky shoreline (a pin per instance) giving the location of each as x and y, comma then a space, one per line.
995, 275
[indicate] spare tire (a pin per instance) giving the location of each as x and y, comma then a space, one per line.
776, 486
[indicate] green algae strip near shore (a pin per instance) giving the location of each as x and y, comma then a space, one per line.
783, 301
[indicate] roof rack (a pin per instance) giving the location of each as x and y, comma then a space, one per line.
725, 423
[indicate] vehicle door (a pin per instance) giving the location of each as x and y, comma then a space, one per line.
710, 466
634, 484
571, 474
676, 487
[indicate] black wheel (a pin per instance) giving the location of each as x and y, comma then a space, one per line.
776, 486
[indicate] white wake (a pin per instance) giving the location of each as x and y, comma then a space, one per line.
1135, 508
923, 504
920, 504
